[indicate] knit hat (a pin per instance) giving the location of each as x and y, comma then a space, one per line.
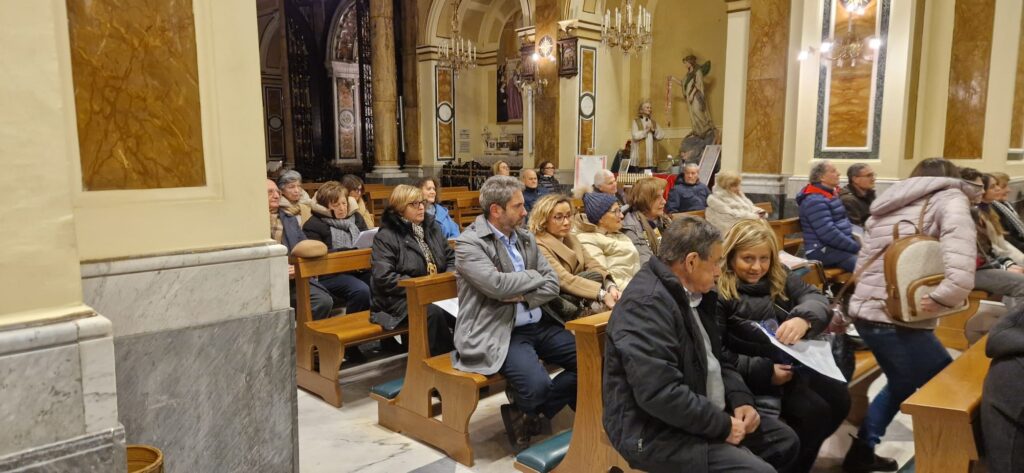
596, 204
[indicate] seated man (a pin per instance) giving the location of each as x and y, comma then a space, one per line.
858, 195
688, 193
828, 233
670, 402
532, 189
503, 280
605, 182
285, 229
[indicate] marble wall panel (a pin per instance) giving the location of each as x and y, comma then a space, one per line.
1017, 118
587, 102
546, 106
217, 397
444, 97
968, 78
42, 398
136, 93
766, 86
100, 452
849, 100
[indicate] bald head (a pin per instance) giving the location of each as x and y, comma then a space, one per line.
529, 178
273, 196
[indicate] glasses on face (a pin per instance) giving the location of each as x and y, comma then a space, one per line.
418, 203
616, 211
561, 217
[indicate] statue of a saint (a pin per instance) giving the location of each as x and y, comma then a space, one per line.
703, 131
645, 131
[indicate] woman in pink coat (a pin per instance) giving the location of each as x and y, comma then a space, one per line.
910, 354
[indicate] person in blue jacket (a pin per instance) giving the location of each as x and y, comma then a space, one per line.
532, 190
431, 192
688, 193
828, 233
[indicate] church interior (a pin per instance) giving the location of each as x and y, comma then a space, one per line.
165, 325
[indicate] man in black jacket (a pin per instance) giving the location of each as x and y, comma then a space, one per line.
671, 404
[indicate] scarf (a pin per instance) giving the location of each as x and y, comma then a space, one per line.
343, 232
276, 227
417, 231
1011, 216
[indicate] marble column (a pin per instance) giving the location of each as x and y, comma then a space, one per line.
410, 84
546, 105
765, 108
385, 103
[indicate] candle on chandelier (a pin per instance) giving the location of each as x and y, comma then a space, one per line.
629, 14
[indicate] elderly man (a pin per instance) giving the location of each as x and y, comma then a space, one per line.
285, 229
605, 182
688, 194
671, 403
531, 190
503, 280
859, 193
828, 233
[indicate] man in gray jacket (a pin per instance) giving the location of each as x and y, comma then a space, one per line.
503, 280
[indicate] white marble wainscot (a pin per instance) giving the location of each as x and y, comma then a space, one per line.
205, 352
58, 398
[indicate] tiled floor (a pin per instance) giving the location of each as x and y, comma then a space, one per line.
349, 439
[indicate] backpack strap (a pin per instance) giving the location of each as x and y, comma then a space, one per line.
920, 220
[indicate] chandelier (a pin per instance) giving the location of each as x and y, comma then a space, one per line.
632, 34
849, 49
457, 53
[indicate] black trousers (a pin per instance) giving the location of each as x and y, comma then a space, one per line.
815, 406
440, 324
1002, 416
772, 447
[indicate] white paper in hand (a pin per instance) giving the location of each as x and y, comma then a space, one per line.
450, 306
814, 354
365, 239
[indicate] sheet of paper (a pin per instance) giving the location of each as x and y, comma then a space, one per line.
450, 306
365, 239
814, 354
790, 261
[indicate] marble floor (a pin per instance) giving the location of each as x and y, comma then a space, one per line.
348, 439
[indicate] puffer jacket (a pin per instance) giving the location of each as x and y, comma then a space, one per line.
948, 218
725, 208
614, 251
823, 221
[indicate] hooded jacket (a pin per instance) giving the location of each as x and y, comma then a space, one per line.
725, 208
614, 251
948, 218
823, 221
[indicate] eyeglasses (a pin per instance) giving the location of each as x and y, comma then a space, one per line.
418, 203
616, 211
561, 217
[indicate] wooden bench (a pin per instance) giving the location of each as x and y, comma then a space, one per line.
944, 411
410, 410
465, 206
320, 344
766, 206
785, 229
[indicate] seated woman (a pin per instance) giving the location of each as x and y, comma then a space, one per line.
409, 244
501, 168
646, 218
990, 220
338, 230
294, 199
599, 231
1008, 216
1002, 406
431, 193
755, 289
998, 270
581, 279
355, 190
728, 205
546, 178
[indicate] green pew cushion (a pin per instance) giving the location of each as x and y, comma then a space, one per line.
546, 455
389, 389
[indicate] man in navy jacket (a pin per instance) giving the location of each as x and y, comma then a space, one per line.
828, 233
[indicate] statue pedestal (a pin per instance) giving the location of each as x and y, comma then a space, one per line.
387, 175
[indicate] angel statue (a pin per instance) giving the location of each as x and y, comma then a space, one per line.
703, 131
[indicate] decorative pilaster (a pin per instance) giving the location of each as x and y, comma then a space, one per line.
385, 132
546, 106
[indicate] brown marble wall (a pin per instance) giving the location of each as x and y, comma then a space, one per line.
766, 86
410, 84
849, 100
1017, 120
445, 112
136, 93
385, 98
968, 78
588, 71
546, 17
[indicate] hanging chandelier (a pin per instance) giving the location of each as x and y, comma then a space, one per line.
849, 49
457, 53
632, 34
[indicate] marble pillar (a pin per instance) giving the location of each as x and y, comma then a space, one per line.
765, 108
970, 60
385, 103
546, 117
410, 84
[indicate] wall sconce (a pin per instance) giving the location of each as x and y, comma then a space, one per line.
545, 49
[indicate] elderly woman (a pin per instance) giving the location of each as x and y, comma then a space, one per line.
646, 217
581, 279
828, 233
338, 230
599, 231
431, 193
728, 205
409, 244
355, 190
546, 178
294, 199
501, 168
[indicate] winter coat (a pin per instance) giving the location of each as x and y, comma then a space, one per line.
549, 184
396, 255
858, 207
1011, 222
655, 374
614, 251
530, 196
746, 346
486, 279
687, 197
725, 208
1001, 248
444, 220
567, 258
948, 218
645, 237
823, 220
1002, 406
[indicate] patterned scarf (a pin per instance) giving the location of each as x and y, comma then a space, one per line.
1011, 216
343, 232
417, 231
276, 227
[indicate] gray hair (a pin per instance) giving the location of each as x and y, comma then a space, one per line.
498, 190
522, 174
288, 177
685, 235
601, 177
818, 170
854, 170
691, 165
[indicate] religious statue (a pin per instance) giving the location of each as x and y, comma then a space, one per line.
645, 131
703, 131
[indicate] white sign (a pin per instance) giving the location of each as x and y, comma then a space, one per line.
586, 168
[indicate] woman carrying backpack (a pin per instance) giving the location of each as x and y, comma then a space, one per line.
909, 353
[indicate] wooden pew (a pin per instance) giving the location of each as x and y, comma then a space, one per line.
411, 410
692, 213
784, 230
329, 337
766, 206
944, 411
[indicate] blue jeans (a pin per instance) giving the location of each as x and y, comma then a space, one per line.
833, 258
909, 358
349, 289
535, 391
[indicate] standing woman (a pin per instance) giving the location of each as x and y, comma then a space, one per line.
409, 244
909, 353
356, 189
546, 179
755, 287
431, 193
646, 217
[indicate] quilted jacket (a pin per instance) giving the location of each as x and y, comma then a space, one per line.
824, 222
726, 208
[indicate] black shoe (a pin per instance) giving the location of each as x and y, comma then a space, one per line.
861, 458
510, 394
538, 425
516, 426
354, 355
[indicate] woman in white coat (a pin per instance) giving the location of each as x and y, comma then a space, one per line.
727, 204
599, 232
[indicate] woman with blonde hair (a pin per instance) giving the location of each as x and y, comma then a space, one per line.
646, 218
756, 290
501, 168
409, 244
728, 205
581, 279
